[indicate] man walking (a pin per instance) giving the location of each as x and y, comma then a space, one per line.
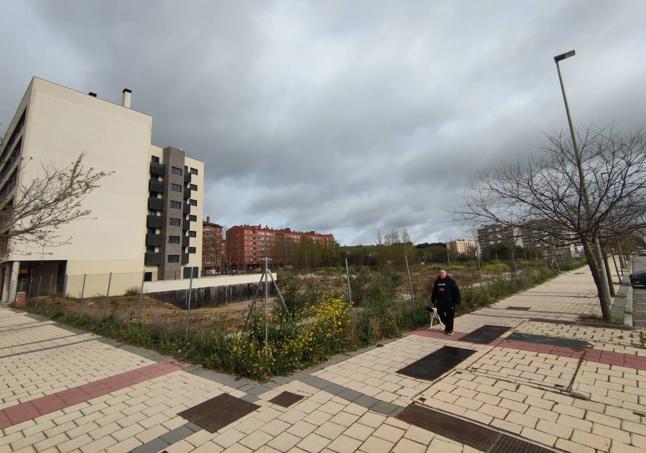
446, 295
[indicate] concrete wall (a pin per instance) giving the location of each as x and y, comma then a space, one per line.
202, 282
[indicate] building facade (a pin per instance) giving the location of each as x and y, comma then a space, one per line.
213, 245
496, 233
248, 245
152, 196
463, 247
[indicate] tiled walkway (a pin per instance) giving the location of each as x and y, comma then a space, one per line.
64, 390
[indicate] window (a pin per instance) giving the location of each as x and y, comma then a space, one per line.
194, 171
193, 202
174, 221
192, 218
155, 159
192, 234
176, 171
193, 187
148, 277
191, 250
150, 249
173, 239
173, 258
176, 204
176, 188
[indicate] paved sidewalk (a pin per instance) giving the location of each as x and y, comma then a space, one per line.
545, 380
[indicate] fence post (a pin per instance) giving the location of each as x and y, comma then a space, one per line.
497, 265
479, 269
107, 293
410, 280
40, 279
188, 302
51, 276
29, 292
347, 273
266, 307
83, 287
513, 259
141, 297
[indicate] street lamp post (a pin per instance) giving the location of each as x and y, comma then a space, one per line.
605, 288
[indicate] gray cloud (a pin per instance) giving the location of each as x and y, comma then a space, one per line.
348, 117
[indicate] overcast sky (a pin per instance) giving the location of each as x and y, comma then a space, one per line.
349, 117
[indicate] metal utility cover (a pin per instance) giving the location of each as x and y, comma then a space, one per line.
466, 432
554, 341
437, 363
286, 399
218, 412
518, 308
485, 334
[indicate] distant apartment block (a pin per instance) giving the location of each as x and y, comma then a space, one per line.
463, 247
540, 234
496, 233
213, 247
146, 220
248, 245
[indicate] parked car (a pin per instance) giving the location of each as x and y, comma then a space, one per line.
641, 252
638, 279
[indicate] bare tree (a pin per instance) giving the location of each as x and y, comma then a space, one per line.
43, 204
568, 197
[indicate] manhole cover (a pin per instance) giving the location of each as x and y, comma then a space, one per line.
554, 341
485, 334
437, 363
286, 399
218, 412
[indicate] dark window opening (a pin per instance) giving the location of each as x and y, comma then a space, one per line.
194, 171
173, 258
174, 221
173, 239
192, 234
192, 218
176, 188
193, 202
193, 187
155, 159
148, 277
191, 250
176, 171
176, 204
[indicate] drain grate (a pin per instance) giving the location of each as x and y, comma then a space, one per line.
518, 308
437, 363
485, 334
506, 444
286, 399
554, 341
466, 432
218, 412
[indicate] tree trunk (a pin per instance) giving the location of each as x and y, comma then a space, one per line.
611, 285
604, 299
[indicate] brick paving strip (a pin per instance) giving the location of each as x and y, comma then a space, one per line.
44, 405
592, 355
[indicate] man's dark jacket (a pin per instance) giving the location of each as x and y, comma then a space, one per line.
445, 292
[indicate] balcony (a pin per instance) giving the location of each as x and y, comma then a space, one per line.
154, 221
184, 258
185, 224
156, 204
184, 241
152, 259
156, 169
154, 239
187, 177
187, 193
156, 186
187, 209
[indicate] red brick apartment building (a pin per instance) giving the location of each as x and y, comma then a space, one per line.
213, 258
248, 245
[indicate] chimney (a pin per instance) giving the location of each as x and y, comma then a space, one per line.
127, 97
92, 94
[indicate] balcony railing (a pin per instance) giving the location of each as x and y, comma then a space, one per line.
156, 204
156, 169
187, 209
184, 258
156, 186
152, 259
187, 193
154, 239
186, 224
184, 241
187, 177
154, 221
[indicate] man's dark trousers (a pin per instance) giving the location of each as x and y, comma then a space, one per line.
446, 312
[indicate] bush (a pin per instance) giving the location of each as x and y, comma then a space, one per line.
134, 291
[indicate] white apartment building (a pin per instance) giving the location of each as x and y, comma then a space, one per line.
146, 216
463, 247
